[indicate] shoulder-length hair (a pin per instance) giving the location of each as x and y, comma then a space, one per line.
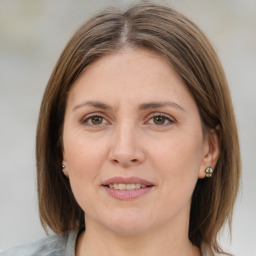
173, 36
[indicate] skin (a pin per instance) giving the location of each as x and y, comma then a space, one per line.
163, 144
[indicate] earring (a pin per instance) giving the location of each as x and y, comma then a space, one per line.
63, 166
208, 172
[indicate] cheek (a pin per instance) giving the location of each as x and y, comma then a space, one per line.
84, 157
178, 159
81, 151
181, 149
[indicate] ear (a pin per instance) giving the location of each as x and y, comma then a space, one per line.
64, 165
65, 168
211, 150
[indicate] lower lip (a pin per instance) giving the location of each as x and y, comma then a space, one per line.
127, 194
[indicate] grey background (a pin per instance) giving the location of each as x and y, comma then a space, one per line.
32, 36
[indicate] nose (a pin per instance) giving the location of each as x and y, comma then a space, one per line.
126, 149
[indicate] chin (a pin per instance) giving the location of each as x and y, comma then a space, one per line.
131, 224
128, 230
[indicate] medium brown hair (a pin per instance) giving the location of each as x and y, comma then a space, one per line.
173, 36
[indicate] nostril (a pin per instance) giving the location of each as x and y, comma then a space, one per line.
134, 160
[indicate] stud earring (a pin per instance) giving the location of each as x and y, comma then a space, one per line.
208, 172
63, 166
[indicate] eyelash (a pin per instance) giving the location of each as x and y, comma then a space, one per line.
166, 118
86, 120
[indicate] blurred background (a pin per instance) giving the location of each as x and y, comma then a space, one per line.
32, 36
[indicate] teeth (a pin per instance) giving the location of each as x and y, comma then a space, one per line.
138, 186
122, 186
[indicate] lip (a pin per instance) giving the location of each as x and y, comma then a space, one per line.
127, 194
127, 180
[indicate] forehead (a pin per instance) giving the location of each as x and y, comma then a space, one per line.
129, 76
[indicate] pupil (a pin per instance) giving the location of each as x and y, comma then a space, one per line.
159, 120
97, 120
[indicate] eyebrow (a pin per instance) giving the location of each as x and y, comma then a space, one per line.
149, 105
96, 104
141, 107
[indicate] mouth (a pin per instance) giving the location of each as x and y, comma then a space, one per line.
122, 186
127, 188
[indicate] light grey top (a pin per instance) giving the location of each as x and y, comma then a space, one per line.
56, 245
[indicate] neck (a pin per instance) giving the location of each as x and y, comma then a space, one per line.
166, 241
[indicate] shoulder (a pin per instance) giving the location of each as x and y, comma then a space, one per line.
56, 245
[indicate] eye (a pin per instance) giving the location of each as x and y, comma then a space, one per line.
94, 120
160, 120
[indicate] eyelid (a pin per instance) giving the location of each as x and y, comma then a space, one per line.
94, 114
166, 116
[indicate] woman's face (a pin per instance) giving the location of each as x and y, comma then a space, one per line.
133, 143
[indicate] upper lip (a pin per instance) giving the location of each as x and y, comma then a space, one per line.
127, 180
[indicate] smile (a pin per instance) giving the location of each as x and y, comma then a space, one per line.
122, 186
127, 188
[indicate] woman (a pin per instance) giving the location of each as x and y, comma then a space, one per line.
137, 146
